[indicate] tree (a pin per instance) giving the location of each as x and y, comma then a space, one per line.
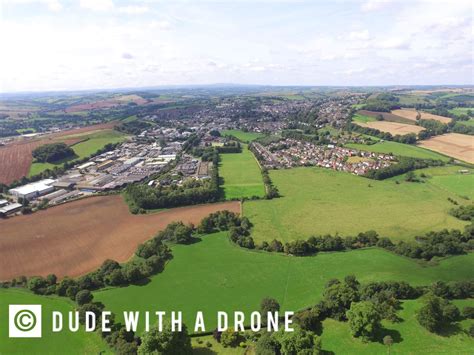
410, 176
83, 297
364, 320
468, 312
166, 342
266, 345
229, 338
436, 312
297, 342
268, 305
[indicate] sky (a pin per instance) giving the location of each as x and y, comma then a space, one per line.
103, 44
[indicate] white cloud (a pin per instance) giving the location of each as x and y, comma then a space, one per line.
375, 5
97, 5
133, 9
359, 35
53, 5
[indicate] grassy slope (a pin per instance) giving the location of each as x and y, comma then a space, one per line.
215, 275
399, 149
362, 118
319, 201
241, 175
409, 336
84, 149
50, 343
241, 135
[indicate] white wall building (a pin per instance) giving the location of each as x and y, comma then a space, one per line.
33, 190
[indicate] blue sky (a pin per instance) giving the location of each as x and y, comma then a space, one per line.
89, 44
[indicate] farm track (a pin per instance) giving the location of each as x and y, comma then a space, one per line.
75, 238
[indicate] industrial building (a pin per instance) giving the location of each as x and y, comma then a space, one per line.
33, 190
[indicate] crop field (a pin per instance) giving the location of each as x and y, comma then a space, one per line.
409, 336
215, 275
76, 237
393, 128
387, 116
50, 343
399, 149
411, 115
318, 201
241, 135
241, 175
16, 158
459, 146
88, 145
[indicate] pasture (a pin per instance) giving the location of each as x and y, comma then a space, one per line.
393, 128
245, 137
75, 238
399, 149
459, 146
318, 201
88, 144
241, 175
215, 275
411, 114
461, 110
358, 117
50, 343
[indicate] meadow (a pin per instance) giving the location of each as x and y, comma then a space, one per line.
245, 137
318, 201
241, 175
50, 343
215, 275
461, 110
91, 144
399, 149
358, 117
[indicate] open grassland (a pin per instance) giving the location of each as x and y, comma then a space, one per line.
241, 135
50, 343
461, 110
358, 117
88, 145
214, 275
319, 201
387, 116
467, 123
411, 114
241, 175
76, 237
399, 149
459, 146
454, 179
393, 128
408, 335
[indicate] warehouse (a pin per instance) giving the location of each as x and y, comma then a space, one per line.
33, 190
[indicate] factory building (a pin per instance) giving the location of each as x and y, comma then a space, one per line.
33, 190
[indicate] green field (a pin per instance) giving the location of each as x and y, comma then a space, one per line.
362, 118
84, 149
241, 175
50, 343
214, 275
409, 337
467, 123
319, 201
461, 110
241, 135
399, 149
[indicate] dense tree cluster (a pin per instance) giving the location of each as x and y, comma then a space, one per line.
404, 165
436, 313
432, 128
384, 102
166, 341
133, 127
52, 152
230, 147
465, 213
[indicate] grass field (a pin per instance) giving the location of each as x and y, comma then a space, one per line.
241, 175
461, 110
319, 201
399, 149
84, 149
409, 337
214, 275
362, 118
50, 343
241, 135
467, 123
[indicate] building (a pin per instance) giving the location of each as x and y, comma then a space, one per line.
9, 209
33, 190
3, 203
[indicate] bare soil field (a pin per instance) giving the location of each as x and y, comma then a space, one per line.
459, 146
16, 158
411, 115
387, 116
75, 238
392, 127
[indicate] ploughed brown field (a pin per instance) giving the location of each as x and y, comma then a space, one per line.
16, 158
459, 146
411, 115
75, 238
392, 127
387, 116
